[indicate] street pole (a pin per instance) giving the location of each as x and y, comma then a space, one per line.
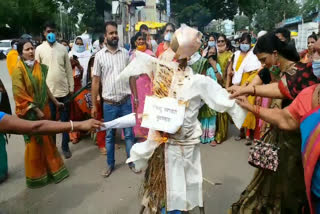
124, 21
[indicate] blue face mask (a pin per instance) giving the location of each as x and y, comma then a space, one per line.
67, 47
79, 48
15, 47
51, 38
316, 68
211, 43
168, 37
244, 47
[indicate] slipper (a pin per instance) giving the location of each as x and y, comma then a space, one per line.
248, 142
75, 141
238, 138
213, 143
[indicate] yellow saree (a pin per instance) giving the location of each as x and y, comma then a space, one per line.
223, 118
43, 162
247, 77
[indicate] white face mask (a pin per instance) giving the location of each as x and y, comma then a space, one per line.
244, 47
211, 43
168, 37
29, 63
316, 68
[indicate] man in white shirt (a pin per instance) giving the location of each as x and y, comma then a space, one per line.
108, 64
59, 79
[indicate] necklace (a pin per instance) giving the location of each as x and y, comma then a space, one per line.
288, 67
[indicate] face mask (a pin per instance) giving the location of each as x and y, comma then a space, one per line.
316, 68
142, 48
79, 48
68, 48
51, 38
168, 37
29, 63
244, 47
211, 43
15, 47
275, 70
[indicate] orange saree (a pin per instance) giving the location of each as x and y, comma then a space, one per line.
43, 162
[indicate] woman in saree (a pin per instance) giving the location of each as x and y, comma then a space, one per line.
306, 55
212, 69
224, 60
14, 125
140, 88
282, 191
43, 162
245, 67
168, 31
6, 108
303, 111
75, 111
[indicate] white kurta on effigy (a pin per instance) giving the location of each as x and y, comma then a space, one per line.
182, 151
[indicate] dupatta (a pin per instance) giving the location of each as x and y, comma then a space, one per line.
310, 149
29, 89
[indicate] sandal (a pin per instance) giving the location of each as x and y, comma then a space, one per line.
75, 141
238, 138
248, 142
213, 143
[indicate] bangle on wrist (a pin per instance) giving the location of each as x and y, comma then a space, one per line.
256, 110
254, 90
71, 126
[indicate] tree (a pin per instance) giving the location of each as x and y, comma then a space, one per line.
92, 11
201, 12
222, 9
268, 13
309, 7
241, 23
25, 16
194, 15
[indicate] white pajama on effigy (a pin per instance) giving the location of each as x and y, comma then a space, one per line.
184, 182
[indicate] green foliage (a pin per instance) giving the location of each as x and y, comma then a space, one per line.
25, 16
28, 16
195, 15
267, 13
201, 12
241, 22
93, 13
222, 9
309, 7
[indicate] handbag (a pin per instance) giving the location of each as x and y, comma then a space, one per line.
264, 155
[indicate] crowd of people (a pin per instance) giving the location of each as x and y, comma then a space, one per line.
261, 85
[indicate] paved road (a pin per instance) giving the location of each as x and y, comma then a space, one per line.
225, 171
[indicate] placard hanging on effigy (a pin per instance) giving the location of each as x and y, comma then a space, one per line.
163, 114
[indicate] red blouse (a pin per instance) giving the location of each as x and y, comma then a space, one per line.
299, 78
302, 104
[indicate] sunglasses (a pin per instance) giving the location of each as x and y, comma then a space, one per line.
221, 41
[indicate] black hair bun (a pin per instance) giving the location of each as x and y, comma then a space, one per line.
286, 49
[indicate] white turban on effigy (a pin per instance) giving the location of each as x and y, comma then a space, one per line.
186, 41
